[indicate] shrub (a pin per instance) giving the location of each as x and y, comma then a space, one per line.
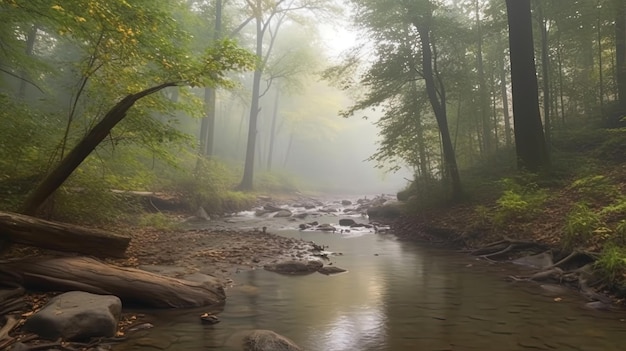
611, 265
518, 201
594, 188
581, 224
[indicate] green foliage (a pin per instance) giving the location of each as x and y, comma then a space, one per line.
581, 224
209, 187
619, 234
158, 221
611, 265
520, 201
594, 188
617, 208
482, 216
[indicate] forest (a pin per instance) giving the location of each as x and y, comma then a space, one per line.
501, 121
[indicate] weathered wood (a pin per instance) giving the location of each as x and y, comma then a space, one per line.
131, 285
61, 236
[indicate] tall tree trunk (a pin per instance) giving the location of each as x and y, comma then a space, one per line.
248, 171
78, 154
270, 151
529, 138
600, 63
30, 45
505, 103
482, 86
439, 107
620, 51
207, 128
545, 69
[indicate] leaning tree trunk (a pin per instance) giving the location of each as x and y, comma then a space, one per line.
439, 109
65, 168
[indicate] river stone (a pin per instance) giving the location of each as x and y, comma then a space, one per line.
347, 222
261, 340
76, 315
283, 213
295, 267
542, 260
329, 270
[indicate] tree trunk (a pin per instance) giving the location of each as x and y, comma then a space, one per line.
270, 151
73, 159
438, 104
482, 87
248, 170
132, 286
529, 138
62, 237
620, 51
545, 69
207, 128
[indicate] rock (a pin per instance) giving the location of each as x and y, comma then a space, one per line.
283, 213
346, 202
325, 227
302, 215
260, 340
76, 315
328, 210
388, 211
271, 208
304, 226
542, 260
18, 346
295, 267
309, 206
328, 270
347, 222
260, 213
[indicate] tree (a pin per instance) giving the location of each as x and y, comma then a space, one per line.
529, 137
268, 16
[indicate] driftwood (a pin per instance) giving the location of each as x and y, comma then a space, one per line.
61, 236
131, 285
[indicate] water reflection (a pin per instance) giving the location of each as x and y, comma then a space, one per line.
395, 296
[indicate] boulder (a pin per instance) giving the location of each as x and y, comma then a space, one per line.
76, 315
283, 213
346, 202
260, 340
389, 210
347, 222
295, 267
302, 215
271, 208
260, 213
325, 227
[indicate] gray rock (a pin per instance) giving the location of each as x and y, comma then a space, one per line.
76, 315
325, 227
260, 340
271, 208
542, 260
347, 222
387, 211
346, 202
283, 213
295, 267
329, 270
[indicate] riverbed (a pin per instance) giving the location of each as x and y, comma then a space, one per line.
395, 296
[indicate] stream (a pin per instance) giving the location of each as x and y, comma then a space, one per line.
395, 296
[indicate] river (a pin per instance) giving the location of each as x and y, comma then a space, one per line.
395, 296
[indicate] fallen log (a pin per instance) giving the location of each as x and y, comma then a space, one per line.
61, 236
131, 285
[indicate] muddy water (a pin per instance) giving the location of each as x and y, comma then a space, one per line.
395, 296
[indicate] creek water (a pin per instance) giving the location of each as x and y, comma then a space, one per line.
395, 296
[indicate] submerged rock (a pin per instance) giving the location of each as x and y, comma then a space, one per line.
542, 260
347, 222
76, 315
330, 270
295, 267
261, 340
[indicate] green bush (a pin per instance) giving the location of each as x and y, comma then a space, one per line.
518, 201
611, 265
581, 224
594, 188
